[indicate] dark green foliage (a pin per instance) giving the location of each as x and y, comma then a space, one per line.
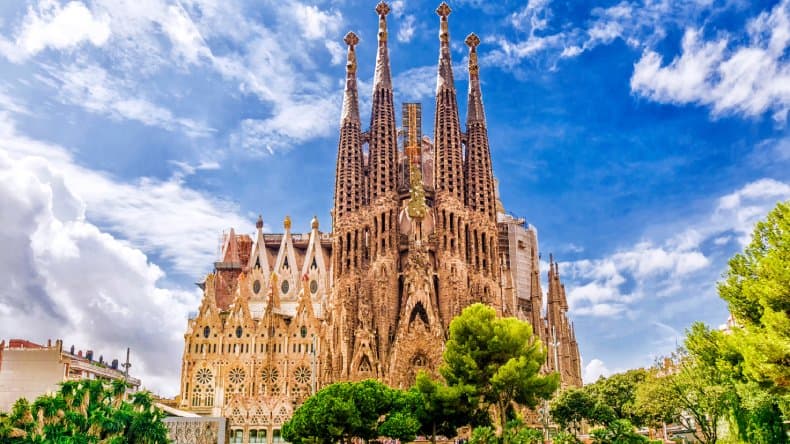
85, 412
600, 403
366, 409
497, 360
443, 409
620, 431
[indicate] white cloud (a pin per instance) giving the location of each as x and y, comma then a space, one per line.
185, 36
51, 25
273, 59
95, 90
594, 370
612, 285
747, 79
741, 209
314, 22
298, 122
68, 279
164, 217
407, 28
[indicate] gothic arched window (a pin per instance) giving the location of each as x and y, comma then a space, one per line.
238, 332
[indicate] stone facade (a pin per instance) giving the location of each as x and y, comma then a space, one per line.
417, 235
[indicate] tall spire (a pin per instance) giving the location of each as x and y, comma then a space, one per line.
351, 96
383, 133
475, 111
447, 131
445, 75
382, 77
349, 184
480, 187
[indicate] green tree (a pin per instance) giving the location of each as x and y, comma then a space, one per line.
616, 396
602, 402
756, 287
85, 412
366, 409
619, 431
443, 409
499, 359
571, 408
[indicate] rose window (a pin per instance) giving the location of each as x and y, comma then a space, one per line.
269, 375
204, 376
236, 375
302, 375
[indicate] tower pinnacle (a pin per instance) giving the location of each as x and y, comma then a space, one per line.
383, 145
475, 104
351, 96
445, 78
382, 76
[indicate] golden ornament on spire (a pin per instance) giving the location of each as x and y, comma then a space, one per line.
351, 40
444, 33
443, 10
287, 222
472, 40
382, 9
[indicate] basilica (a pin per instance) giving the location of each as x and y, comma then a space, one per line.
417, 234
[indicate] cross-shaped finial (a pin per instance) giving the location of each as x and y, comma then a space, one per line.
443, 10
472, 40
383, 8
351, 39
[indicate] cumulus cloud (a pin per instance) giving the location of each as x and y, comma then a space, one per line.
747, 79
159, 216
594, 370
50, 25
743, 73
272, 59
611, 286
68, 279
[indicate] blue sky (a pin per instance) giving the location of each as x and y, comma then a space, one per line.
642, 138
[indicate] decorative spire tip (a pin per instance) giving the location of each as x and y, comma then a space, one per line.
443, 10
287, 223
259, 222
314, 223
472, 40
351, 39
383, 8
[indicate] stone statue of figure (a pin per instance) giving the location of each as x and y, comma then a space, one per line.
364, 316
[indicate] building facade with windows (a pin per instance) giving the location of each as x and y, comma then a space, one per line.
29, 370
417, 234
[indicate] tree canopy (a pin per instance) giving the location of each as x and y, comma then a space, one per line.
498, 360
85, 412
756, 287
366, 409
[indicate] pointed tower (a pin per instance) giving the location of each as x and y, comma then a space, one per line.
349, 185
480, 193
349, 217
383, 133
452, 224
479, 174
380, 291
447, 129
